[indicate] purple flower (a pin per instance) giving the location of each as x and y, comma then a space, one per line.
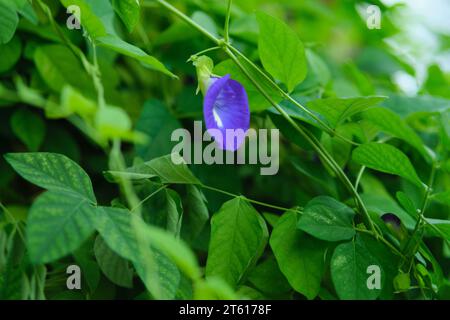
226, 110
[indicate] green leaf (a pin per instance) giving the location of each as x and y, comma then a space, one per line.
10, 53
29, 128
9, 20
327, 219
268, 278
59, 66
442, 197
238, 237
114, 267
195, 213
300, 257
337, 110
127, 235
349, 265
58, 223
158, 124
116, 44
408, 106
53, 172
214, 289
165, 168
281, 51
130, 237
128, 11
391, 123
386, 158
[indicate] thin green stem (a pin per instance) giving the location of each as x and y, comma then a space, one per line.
96, 78
148, 197
118, 163
227, 22
192, 57
421, 218
268, 205
358, 178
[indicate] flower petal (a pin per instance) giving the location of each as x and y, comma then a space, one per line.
226, 109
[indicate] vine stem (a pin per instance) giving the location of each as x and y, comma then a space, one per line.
227, 22
303, 132
268, 205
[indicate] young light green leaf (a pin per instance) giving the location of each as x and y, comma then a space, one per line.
300, 257
281, 51
58, 223
128, 11
327, 219
238, 237
386, 158
337, 110
53, 172
29, 128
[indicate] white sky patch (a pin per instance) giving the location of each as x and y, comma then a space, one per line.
217, 118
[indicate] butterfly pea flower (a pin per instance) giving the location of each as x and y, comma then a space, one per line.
225, 107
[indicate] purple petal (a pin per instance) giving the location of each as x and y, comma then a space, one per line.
226, 108
392, 220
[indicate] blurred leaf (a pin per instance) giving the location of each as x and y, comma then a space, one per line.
213, 289
116, 44
281, 51
239, 221
8, 21
386, 158
128, 11
58, 66
337, 110
29, 128
327, 219
10, 53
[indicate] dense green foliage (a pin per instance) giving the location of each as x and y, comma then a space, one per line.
87, 176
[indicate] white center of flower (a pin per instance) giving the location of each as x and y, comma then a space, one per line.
217, 118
